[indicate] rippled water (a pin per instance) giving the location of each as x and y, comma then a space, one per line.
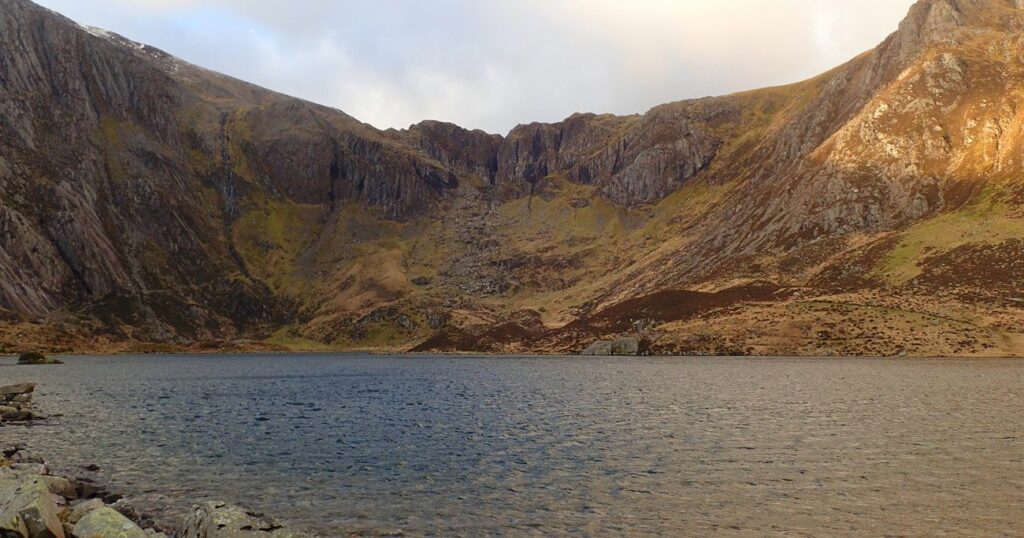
546, 446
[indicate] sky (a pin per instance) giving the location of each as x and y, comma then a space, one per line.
493, 64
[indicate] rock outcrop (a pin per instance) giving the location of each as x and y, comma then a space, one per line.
105, 522
622, 347
27, 510
36, 504
16, 402
221, 520
35, 358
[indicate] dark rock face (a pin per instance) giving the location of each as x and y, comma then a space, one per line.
123, 171
635, 161
469, 153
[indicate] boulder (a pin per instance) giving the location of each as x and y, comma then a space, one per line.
106, 522
219, 520
27, 510
30, 469
19, 415
601, 348
24, 456
13, 390
35, 358
620, 347
79, 510
61, 486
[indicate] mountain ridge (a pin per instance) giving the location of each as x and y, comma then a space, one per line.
152, 204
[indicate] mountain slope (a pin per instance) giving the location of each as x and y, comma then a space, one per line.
874, 209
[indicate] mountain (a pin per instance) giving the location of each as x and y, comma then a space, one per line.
876, 209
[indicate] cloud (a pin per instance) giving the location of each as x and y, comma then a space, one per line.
493, 64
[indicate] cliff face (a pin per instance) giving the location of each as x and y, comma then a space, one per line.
146, 200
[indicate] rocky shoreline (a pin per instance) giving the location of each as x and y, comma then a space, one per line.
35, 503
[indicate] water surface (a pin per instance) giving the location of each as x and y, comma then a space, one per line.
470, 446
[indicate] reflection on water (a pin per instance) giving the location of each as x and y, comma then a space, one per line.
552, 445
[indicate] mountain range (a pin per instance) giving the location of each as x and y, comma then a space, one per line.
148, 204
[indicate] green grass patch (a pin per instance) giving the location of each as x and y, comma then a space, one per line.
985, 221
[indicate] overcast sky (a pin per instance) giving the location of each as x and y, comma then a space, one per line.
492, 64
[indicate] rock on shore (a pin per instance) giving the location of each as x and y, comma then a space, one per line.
617, 348
220, 520
37, 504
16, 402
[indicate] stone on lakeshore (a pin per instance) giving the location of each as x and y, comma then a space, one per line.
62, 506
61, 486
35, 358
24, 456
30, 469
219, 520
21, 388
27, 510
620, 347
79, 510
126, 509
11, 450
106, 522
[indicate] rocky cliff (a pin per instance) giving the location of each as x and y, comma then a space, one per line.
874, 209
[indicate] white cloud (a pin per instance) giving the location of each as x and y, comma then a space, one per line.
493, 64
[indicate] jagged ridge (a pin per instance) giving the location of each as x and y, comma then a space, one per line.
149, 200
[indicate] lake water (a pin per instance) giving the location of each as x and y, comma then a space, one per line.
542, 446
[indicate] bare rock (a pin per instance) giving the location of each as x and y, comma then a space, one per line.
35, 358
21, 388
219, 520
621, 347
27, 510
61, 486
81, 509
106, 522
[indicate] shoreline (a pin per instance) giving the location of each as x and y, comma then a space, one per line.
47, 505
473, 354
36, 503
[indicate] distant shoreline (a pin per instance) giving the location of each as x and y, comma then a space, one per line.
472, 354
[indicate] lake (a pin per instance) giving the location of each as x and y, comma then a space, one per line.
543, 446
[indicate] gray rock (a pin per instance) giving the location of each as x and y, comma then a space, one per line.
27, 510
219, 520
35, 358
24, 456
21, 388
29, 469
621, 347
61, 486
106, 522
79, 510
126, 509
601, 348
